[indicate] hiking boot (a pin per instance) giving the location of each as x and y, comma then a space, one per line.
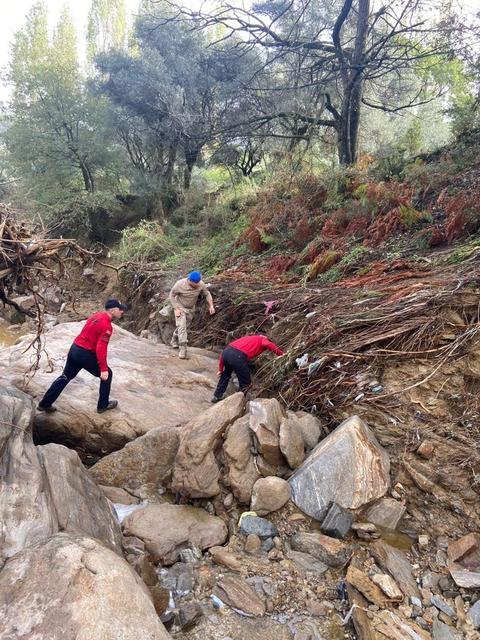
113, 404
50, 409
182, 352
216, 399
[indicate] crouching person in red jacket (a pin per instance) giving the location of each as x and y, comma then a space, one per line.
89, 351
234, 359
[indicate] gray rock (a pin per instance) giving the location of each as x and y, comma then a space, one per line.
337, 522
441, 631
307, 562
259, 526
348, 467
443, 606
386, 512
474, 615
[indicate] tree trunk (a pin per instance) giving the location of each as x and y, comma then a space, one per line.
349, 123
87, 176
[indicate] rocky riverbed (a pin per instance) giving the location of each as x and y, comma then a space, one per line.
237, 520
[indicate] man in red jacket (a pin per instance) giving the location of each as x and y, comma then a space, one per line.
89, 351
234, 359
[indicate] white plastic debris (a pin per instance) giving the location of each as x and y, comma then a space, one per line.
302, 361
217, 603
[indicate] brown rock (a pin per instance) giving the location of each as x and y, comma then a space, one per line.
265, 418
147, 460
161, 391
222, 556
307, 562
426, 449
466, 551
398, 566
330, 551
160, 598
189, 614
388, 585
386, 513
237, 594
269, 494
119, 496
253, 544
70, 587
291, 440
242, 472
367, 588
310, 427
348, 467
166, 529
196, 471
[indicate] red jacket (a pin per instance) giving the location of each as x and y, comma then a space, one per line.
252, 346
95, 336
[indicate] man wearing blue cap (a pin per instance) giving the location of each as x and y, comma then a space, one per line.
183, 297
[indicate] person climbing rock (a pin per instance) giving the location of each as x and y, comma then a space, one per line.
234, 359
183, 297
89, 352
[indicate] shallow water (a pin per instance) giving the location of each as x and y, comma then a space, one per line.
7, 338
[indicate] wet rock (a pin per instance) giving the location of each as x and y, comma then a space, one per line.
259, 526
167, 529
72, 588
348, 467
330, 551
119, 496
242, 472
310, 427
265, 418
148, 460
155, 389
179, 579
269, 494
398, 566
237, 594
306, 562
222, 556
386, 513
196, 472
291, 440
337, 522
253, 544
365, 530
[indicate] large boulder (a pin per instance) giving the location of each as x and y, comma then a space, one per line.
265, 418
73, 588
45, 489
349, 467
26, 511
80, 506
154, 388
166, 529
310, 427
148, 460
196, 472
237, 448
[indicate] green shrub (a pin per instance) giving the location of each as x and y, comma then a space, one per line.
144, 243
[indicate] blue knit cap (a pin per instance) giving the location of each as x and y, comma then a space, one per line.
194, 276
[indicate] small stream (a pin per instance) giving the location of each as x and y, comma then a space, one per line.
9, 335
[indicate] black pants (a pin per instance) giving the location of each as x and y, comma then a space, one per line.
233, 361
77, 359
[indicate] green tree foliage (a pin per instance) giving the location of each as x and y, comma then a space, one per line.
107, 27
56, 130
